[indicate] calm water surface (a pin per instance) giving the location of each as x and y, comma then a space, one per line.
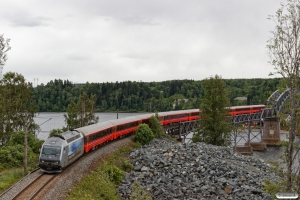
53, 120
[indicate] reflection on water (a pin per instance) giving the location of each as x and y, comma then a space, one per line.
54, 120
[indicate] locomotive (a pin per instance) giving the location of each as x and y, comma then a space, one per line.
60, 151
63, 149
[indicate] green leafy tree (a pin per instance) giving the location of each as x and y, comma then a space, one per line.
82, 113
12, 156
33, 143
155, 126
284, 52
143, 134
57, 131
72, 116
87, 109
17, 107
215, 127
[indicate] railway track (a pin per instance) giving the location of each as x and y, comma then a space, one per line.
58, 187
34, 188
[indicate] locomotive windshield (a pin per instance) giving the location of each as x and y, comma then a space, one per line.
51, 150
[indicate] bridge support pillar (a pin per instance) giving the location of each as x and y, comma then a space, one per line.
271, 131
257, 146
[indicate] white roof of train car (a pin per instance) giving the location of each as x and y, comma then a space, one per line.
86, 130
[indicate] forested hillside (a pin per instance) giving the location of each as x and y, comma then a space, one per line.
134, 96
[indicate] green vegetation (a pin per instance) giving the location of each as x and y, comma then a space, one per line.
143, 134
155, 126
57, 131
134, 96
9, 177
215, 125
284, 53
95, 186
102, 183
82, 113
138, 193
16, 100
11, 155
275, 186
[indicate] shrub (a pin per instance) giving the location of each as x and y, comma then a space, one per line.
12, 156
155, 126
114, 173
143, 134
18, 138
126, 166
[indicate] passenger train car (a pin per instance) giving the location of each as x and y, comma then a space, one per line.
61, 150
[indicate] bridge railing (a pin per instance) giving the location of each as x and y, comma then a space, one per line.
254, 117
277, 99
281, 99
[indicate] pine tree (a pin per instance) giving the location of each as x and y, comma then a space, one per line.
214, 124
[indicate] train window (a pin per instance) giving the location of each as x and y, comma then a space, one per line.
145, 121
51, 150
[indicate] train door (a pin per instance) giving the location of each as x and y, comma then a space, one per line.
64, 159
114, 132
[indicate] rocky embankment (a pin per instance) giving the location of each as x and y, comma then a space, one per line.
170, 170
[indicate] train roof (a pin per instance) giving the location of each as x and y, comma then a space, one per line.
172, 112
71, 135
192, 110
86, 130
95, 127
53, 141
248, 106
143, 116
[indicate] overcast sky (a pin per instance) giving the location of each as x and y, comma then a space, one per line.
137, 40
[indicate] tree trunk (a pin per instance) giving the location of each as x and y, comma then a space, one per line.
25, 146
292, 132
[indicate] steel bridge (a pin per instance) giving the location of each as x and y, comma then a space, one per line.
251, 131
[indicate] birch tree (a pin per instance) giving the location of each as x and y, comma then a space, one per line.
81, 113
284, 52
4, 48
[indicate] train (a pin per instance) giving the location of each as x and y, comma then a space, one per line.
63, 149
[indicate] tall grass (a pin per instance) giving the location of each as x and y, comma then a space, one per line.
9, 177
102, 183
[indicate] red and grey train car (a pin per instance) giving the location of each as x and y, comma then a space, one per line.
61, 150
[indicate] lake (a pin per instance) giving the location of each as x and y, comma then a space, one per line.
53, 120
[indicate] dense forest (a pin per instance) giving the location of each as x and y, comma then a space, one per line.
134, 96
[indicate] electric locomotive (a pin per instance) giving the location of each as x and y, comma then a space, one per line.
60, 151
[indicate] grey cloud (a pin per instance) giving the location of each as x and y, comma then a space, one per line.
29, 21
138, 21
77, 57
